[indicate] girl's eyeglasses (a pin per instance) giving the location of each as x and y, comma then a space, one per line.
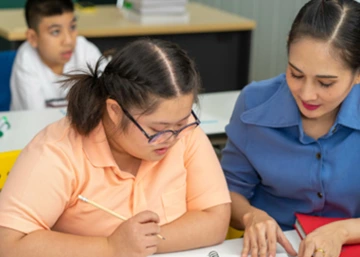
165, 135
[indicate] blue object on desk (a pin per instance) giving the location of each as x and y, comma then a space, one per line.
63, 111
6, 63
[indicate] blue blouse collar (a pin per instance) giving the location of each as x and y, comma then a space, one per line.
281, 110
349, 114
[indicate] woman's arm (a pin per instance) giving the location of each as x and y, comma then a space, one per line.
261, 231
240, 208
351, 230
196, 229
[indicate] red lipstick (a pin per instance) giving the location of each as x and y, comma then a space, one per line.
310, 107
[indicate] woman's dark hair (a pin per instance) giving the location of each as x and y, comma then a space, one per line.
333, 21
138, 76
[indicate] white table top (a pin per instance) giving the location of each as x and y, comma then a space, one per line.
215, 109
214, 112
232, 248
25, 125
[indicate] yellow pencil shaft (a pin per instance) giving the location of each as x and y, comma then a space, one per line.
106, 210
109, 211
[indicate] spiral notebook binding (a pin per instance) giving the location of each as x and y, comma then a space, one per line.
213, 254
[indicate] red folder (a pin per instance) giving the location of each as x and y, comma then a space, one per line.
305, 224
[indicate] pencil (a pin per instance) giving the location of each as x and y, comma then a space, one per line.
84, 199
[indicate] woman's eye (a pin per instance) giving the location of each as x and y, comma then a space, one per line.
326, 84
296, 76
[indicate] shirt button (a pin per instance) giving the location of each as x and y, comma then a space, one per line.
334, 130
320, 195
318, 156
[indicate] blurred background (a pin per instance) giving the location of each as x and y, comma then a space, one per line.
273, 19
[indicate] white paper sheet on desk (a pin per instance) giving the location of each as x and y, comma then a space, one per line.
220, 255
232, 248
207, 255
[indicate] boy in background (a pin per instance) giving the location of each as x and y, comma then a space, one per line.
52, 48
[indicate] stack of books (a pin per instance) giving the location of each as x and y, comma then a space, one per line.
156, 11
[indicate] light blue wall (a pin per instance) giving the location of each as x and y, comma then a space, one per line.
268, 55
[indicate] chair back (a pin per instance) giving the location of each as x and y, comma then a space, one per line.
6, 62
7, 160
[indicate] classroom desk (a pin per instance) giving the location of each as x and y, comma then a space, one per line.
232, 248
218, 41
214, 111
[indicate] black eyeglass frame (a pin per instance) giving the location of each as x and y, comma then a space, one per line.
158, 134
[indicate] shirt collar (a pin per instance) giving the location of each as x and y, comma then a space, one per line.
280, 110
349, 113
97, 149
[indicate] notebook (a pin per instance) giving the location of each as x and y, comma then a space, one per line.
156, 19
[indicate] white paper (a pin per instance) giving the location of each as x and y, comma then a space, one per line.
232, 248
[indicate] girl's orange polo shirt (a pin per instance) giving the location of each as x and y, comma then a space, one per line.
59, 164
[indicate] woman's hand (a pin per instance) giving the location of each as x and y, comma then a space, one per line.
261, 235
136, 237
325, 241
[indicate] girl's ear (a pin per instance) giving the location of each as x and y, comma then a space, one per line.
114, 111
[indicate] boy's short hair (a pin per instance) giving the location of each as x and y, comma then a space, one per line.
35, 10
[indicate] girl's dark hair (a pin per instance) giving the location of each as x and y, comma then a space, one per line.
138, 76
35, 10
333, 21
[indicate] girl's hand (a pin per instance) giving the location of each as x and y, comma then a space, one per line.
136, 237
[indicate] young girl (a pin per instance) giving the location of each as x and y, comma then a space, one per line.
294, 140
131, 143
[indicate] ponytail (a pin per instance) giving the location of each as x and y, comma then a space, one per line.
138, 76
86, 99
